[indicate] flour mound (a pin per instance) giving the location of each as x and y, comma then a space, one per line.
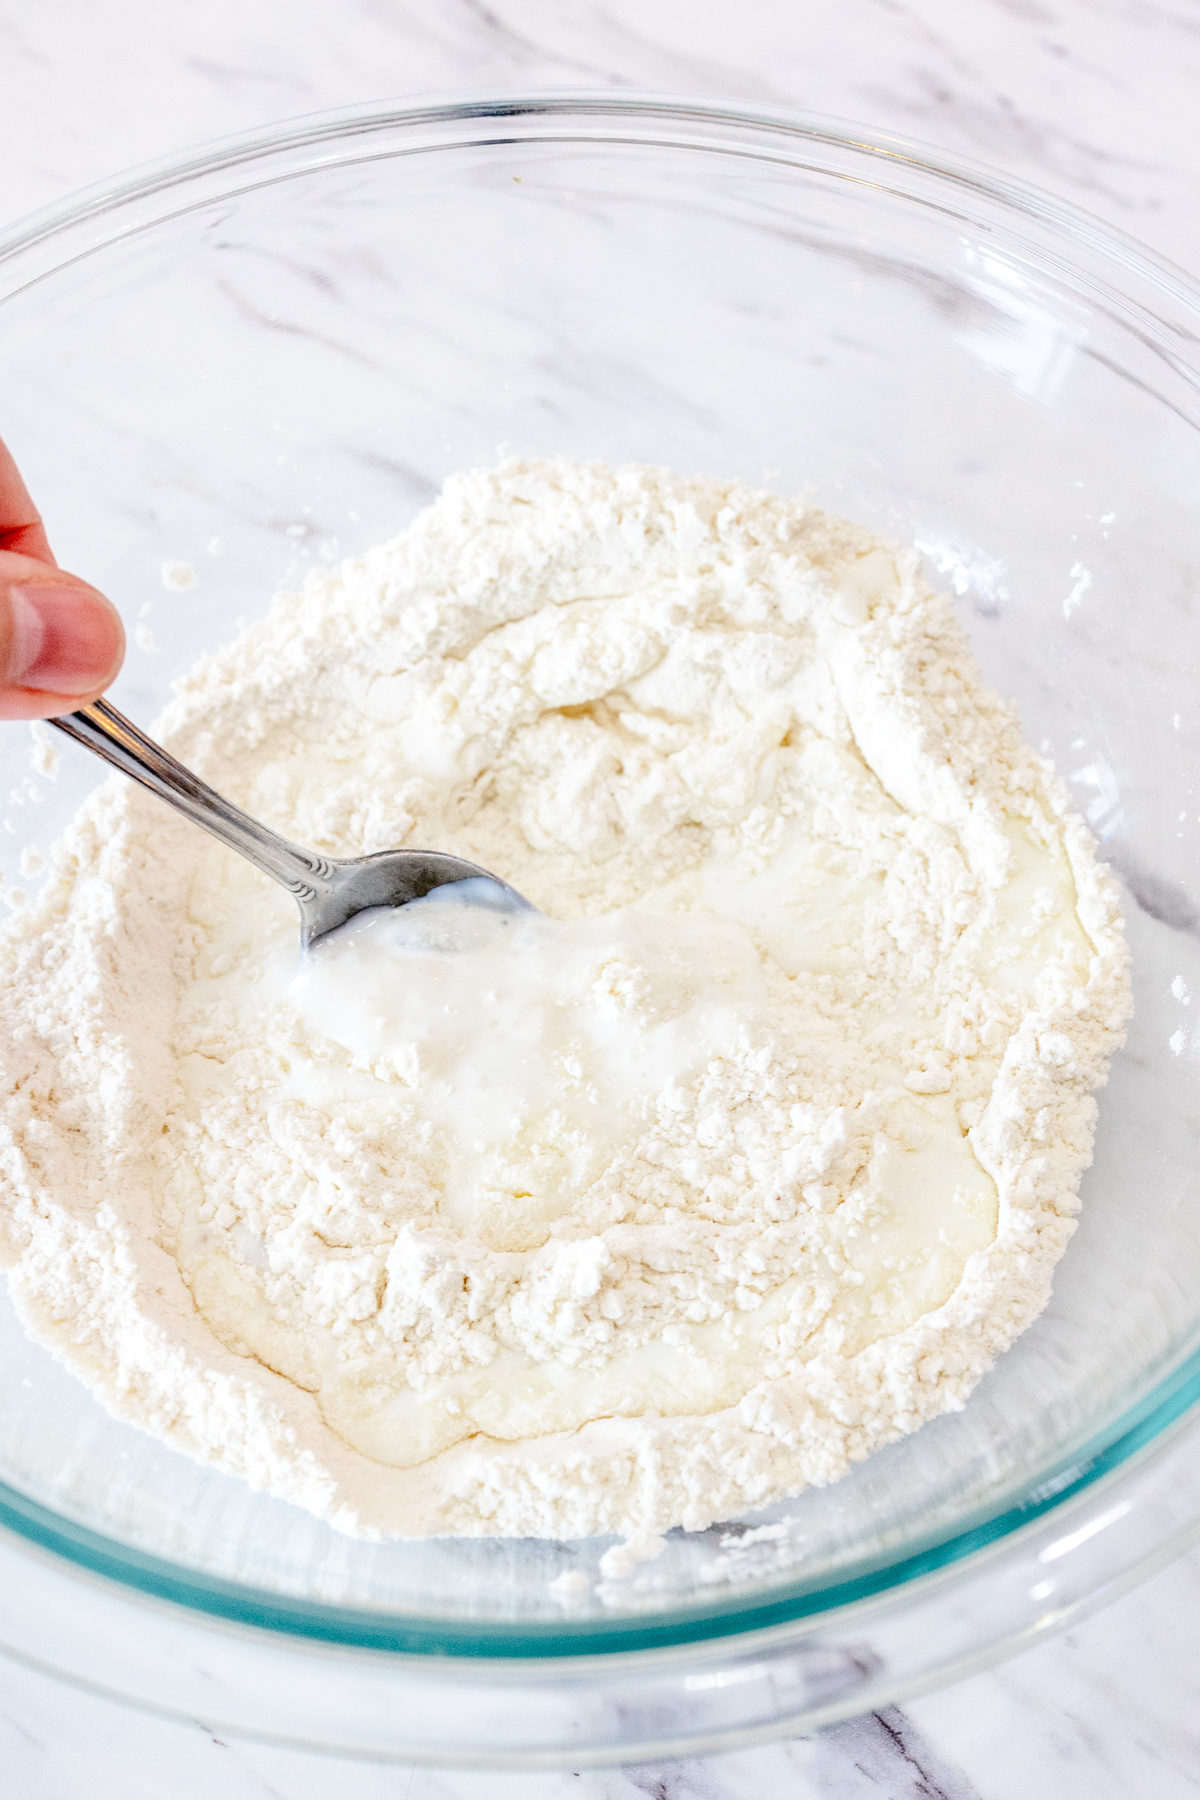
833, 923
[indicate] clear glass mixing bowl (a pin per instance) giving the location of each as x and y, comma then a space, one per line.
275, 353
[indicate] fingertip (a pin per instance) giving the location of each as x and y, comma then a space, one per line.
65, 644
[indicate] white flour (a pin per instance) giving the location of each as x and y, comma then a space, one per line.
836, 1152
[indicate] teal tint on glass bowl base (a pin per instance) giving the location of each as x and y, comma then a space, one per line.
272, 356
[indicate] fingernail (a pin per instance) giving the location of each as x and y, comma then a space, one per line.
66, 638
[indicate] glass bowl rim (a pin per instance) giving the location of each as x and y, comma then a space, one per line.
90, 213
522, 109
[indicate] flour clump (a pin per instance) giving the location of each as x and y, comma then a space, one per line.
744, 1155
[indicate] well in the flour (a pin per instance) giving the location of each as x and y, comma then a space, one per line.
744, 1155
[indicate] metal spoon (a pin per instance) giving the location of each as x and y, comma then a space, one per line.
328, 890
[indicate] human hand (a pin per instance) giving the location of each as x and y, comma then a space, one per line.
61, 642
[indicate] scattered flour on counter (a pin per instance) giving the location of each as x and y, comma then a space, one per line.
775, 1162
177, 576
1081, 578
44, 755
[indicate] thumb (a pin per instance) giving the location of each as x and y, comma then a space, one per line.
61, 642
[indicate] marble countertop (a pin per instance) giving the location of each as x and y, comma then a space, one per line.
1093, 99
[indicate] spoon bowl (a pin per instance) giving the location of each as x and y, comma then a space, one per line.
328, 890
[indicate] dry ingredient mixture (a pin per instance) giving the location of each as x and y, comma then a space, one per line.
746, 1158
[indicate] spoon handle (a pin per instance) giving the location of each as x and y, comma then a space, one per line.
115, 738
